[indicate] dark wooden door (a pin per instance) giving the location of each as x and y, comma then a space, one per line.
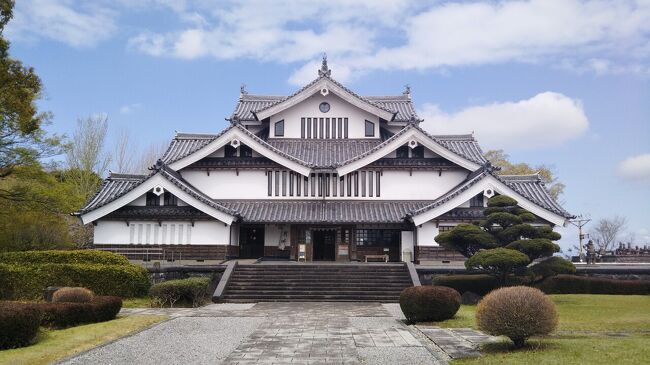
251, 242
324, 245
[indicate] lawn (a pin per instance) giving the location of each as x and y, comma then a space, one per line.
136, 302
54, 345
593, 329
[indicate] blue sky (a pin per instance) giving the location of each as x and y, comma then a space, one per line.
558, 82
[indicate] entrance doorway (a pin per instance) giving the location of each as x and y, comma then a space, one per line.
251, 242
324, 245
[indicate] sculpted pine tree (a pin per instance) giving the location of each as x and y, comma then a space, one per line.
503, 241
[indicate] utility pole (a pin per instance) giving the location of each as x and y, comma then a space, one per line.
580, 222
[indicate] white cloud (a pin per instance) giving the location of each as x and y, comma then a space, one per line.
76, 24
130, 108
545, 120
636, 168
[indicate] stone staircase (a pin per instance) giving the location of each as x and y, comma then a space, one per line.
317, 282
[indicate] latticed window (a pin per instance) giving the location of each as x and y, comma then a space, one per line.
445, 228
279, 128
152, 199
170, 199
377, 237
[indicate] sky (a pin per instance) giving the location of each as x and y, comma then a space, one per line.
564, 83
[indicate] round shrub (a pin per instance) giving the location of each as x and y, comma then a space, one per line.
429, 303
517, 312
73, 295
62, 314
192, 291
18, 324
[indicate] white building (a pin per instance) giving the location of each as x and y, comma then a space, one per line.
338, 175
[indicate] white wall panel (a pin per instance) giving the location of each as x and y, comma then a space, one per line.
168, 232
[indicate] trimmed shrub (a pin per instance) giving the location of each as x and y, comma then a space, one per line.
18, 324
63, 257
192, 291
429, 303
498, 261
501, 201
480, 284
517, 312
62, 314
72, 295
552, 266
572, 284
535, 248
19, 281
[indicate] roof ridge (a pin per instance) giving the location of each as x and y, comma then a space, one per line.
454, 136
192, 135
125, 176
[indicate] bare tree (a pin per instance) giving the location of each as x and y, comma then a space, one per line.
606, 231
150, 155
86, 158
123, 156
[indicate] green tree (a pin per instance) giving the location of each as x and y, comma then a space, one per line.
501, 159
498, 261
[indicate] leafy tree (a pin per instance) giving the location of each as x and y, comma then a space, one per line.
503, 241
23, 140
500, 159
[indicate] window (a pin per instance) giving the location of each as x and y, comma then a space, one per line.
170, 199
245, 151
378, 237
279, 128
476, 201
445, 228
153, 200
230, 151
324, 107
403, 152
370, 129
418, 152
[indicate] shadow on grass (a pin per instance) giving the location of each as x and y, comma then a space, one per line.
506, 346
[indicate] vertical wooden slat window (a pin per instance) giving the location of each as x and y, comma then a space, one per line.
333, 128
284, 183
349, 187
269, 175
327, 184
342, 185
345, 131
327, 127
320, 124
320, 184
378, 179
306, 184
291, 180
302, 127
277, 183
340, 128
335, 183
313, 184
315, 131
363, 183
308, 127
298, 184
356, 183
370, 174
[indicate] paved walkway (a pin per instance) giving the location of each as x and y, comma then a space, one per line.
279, 333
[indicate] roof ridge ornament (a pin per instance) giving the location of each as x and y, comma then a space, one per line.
242, 90
407, 91
324, 70
157, 166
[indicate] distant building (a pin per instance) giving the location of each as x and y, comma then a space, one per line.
323, 173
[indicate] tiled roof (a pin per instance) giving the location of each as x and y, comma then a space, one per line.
400, 105
325, 153
532, 187
318, 211
113, 187
463, 145
157, 212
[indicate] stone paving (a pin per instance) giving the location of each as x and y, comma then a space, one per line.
283, 333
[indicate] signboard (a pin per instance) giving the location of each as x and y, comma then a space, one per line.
343, 250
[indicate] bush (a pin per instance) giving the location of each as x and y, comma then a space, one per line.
20, 281
192, 291
18, 324
63, 257
517, 312
72, 295
498, 261
572, 284
552, 266
429, 303
480, 284
62, 314
535, 248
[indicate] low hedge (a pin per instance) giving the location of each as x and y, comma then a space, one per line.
429, 303
62, 314
573, 284
18, 324
20, 282
63, 257
192, 291
480, 284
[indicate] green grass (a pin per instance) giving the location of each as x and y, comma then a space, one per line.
593, 329
136, 302
53, 345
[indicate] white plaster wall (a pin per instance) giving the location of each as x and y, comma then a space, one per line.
395, 184
272, 234
426, 233
407, 246
339, 108
168, 232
